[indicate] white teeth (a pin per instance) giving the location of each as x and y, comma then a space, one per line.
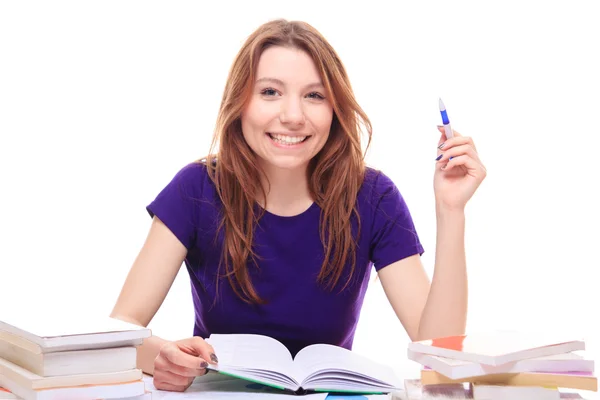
288, 139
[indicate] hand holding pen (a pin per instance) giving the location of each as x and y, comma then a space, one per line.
460, 171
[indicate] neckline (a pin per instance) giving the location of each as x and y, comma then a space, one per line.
268, 213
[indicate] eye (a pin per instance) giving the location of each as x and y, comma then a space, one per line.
316, 95
268, 92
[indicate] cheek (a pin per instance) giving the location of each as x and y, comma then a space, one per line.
251, 123
323, 121
258, 116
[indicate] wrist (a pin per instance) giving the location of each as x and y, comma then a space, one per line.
443, 209
450, 217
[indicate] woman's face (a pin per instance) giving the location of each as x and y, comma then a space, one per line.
287, 120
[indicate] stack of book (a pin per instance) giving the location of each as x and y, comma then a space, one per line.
506, 364
77, 359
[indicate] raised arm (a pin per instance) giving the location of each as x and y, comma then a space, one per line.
440, 308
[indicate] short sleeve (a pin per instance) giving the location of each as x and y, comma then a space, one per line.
177, 204
393, 233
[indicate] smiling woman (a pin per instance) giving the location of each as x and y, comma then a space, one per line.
282, 222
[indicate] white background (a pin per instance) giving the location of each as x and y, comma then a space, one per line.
101, 103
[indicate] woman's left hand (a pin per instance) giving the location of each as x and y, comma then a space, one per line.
456, 180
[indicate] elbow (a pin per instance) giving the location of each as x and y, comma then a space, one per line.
125, 318
438, 331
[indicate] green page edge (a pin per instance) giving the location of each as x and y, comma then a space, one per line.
282, 388
252, 380
346, 391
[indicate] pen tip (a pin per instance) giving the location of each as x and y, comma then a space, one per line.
442, 106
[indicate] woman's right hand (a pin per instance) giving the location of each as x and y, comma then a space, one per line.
179, 362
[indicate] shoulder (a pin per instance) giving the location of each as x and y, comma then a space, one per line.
376, 185
192, 171
178, 203
379, 196
192, 177
190, 183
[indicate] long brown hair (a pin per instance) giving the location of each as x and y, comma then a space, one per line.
335, 174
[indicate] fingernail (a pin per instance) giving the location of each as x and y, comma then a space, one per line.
203, 364
439, 157
441, 145
440, 126
214, 358
450, 158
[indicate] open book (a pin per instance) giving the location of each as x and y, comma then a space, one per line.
319, 367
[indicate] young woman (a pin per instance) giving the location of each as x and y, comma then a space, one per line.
280, 226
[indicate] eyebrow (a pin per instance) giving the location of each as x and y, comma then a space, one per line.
280, 82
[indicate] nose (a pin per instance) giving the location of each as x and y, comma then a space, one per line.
292, 113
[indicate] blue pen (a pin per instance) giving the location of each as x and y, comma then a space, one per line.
445, 120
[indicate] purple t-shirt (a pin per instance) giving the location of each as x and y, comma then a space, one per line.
299, 311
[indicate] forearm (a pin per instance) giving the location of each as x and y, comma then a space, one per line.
147, 352
445, 312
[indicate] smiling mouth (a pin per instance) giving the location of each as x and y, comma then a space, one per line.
288, 140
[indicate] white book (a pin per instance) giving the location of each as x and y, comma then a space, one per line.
499, 392
46, 332
55, 363
319, 367
27, 379
415, 390
93, 392
498, 347
459, 369
6, 395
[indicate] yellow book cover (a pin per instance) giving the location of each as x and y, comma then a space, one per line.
571, 380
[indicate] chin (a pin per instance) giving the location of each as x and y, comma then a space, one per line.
290, 165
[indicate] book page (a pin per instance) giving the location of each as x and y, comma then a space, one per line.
324, 357
214, 386
54, 324
496, 343
246, 351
